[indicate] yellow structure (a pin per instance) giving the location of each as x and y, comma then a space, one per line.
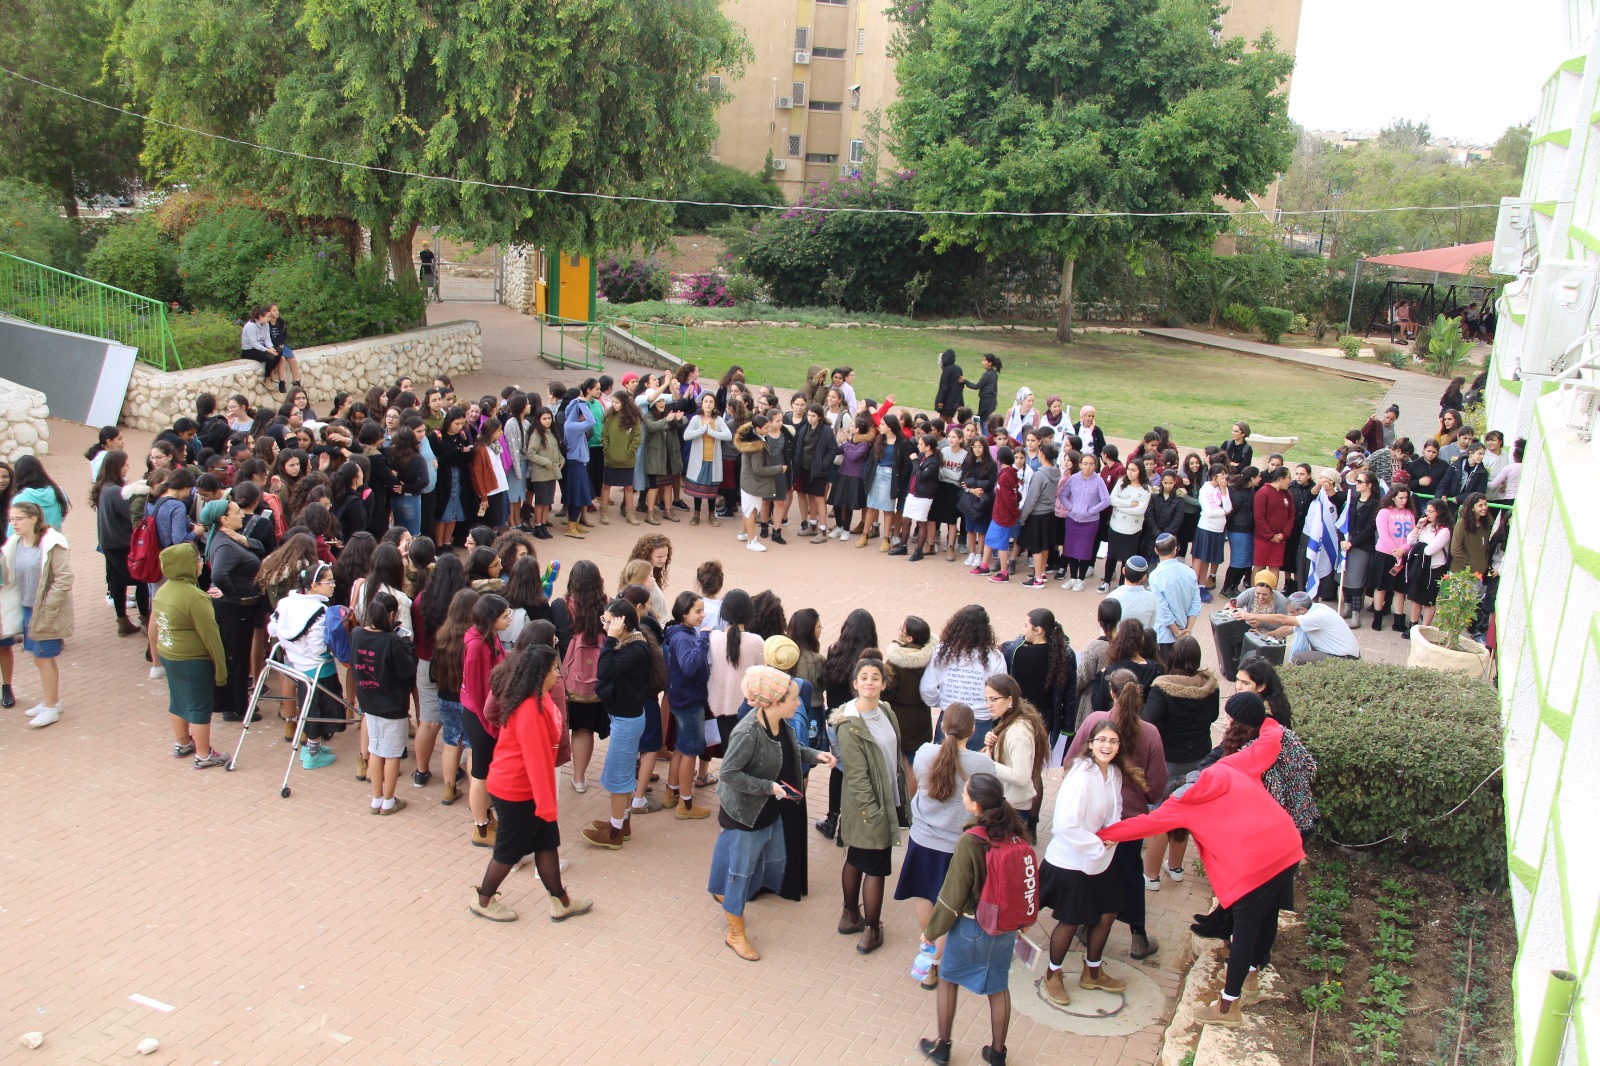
564, 285
822, 76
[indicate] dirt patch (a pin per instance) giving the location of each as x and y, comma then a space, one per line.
1435, 972
694, 253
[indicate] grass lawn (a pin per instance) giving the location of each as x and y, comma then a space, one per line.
1134, 382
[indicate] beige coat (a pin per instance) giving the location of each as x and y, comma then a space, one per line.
52, 610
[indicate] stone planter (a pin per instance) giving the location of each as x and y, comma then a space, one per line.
1428, 650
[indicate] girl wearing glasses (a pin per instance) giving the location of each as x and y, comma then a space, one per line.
1360, 544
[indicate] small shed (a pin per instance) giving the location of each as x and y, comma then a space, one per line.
564, 286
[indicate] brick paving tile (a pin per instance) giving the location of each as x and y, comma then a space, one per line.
277, 928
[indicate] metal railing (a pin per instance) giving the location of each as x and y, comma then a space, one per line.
572, 343
670, 337
60, 300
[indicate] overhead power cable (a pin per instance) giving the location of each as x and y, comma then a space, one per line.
624, 198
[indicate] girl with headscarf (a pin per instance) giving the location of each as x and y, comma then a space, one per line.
761, 767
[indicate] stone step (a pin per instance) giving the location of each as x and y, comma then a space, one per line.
1214, 1045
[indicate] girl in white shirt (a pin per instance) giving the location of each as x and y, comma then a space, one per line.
1130, 499
1076, 881
1210, 541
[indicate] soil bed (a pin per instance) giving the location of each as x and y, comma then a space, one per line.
1434, 972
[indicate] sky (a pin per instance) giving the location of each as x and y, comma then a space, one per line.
1469, 68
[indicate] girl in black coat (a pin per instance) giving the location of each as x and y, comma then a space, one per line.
949, 396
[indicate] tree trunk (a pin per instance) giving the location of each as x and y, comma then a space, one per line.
400, 265
1064, 315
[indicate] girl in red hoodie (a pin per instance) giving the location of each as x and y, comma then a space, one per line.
1251, 871
481, 653
1005, 521
522, 782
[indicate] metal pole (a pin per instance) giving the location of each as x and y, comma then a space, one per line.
1554, 1017
1350, 314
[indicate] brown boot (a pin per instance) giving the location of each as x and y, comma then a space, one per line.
451, 794
1222, 1012
605, 513
627, 514
738, 941
650, 518
609, 837
604, 824
1055, 988
483, 835
850, 922
1252, 987
125, 627
871, 938
686, 812
576, 529
1096, 977
862, 543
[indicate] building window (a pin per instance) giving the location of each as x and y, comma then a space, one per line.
861, 41
825, 105
794, 146
822, 157
541, 266
857, 150
716, 147
714, 83
827, 53
835, 3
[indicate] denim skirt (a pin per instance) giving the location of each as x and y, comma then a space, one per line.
977, 961
745, 861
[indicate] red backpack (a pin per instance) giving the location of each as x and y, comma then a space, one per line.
581, 667
1010, 897
144, 551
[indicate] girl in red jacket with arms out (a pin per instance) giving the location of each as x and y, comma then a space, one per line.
1251, 871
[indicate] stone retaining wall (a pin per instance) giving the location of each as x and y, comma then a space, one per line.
24, 422
516, 290
623, 346
155, 399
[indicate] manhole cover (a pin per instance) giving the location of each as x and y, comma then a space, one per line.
1093, 1013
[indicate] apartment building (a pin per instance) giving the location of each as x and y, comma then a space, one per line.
821, 80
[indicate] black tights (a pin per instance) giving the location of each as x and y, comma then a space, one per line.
1111, 569
835, 790
999, 1013
697, 502
863, 894
1061, 939
1078, 569
548, 863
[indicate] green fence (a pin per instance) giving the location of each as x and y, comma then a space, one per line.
572, 343
60, 300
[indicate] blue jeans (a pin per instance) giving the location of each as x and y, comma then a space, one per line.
407, 511
622, 755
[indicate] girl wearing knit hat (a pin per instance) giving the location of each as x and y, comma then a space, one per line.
762, 766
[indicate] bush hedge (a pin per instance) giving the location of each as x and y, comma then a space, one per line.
1273, 322
1239, 316
204, 337
718, 183
222, 253
135, 255
631, 281
1396, 748
325, 300
31, 225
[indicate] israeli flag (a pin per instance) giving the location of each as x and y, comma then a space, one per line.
1324, 531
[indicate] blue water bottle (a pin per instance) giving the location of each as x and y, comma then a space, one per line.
923, 963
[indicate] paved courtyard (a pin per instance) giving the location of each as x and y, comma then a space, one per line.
258, 929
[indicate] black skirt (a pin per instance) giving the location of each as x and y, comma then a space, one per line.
590, 716
1077, 898
1038, 533
946, 504
848, 493
618, 477
874, 862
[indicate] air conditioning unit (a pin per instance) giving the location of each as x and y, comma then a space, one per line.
1511, 235
803, 58
780, 164
785, 103
1559, 309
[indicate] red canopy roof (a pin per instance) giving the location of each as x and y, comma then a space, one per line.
1452, 260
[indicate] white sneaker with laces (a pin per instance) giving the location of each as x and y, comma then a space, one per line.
1077, 586
755, 546
1151, 884
35, 709
157, 673
1067, 584
744, 536
1175, 872
46, 716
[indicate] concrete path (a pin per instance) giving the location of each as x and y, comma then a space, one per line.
510, 346
1416, 394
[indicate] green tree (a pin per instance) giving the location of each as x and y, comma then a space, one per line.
136, 256
1083, 105
77, 150
1512, 147
31, 225
601, 96
718, 183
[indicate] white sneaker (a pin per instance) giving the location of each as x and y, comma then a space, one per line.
46, 716
1067, 584
1151, 884
35, 709
1077, 586
755, 546
842, 533
744, 536
1175, 872
157, 673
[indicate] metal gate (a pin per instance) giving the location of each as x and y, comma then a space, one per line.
464, 273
